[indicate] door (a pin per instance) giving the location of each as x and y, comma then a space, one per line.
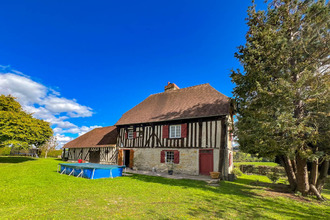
94, 156
126, 158
205, 162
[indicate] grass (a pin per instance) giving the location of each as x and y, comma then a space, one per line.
256, 163
32, 189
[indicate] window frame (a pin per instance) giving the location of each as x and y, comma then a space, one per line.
177, 131
171, 157
130, 134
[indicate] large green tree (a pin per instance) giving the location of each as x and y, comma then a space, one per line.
282, 95
18, 128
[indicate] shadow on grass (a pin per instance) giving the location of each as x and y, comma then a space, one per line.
231, 187
58, 159
15, 159
242, 196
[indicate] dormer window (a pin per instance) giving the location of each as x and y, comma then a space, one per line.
175, 131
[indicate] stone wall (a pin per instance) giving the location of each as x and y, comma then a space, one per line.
148, 158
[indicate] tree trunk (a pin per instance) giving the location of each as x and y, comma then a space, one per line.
314, 172
302, 175
323, 175
46, 152
316, 192
289, 172
294, 166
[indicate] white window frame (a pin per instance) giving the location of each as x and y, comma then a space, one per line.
175, 131
130, 134
171, 159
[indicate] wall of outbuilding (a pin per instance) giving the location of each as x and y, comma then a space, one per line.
107, 154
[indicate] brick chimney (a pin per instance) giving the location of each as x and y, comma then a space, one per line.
171, 86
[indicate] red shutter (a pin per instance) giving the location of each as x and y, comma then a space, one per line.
162, 156
165, 131
176, 156
134, 134
184, 130
126, 135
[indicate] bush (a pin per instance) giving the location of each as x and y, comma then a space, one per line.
274, 176
261, 170
237, 172
246, 168
5, 151
244, 157
53, 153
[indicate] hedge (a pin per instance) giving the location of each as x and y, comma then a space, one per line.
261, 170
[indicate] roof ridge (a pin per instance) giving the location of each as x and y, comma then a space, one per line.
189, 87
201, 100
94, 138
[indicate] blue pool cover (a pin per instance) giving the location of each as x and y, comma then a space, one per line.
91, 170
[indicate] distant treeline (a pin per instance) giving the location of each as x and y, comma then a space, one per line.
244, 157
6, 151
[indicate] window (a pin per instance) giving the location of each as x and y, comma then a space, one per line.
130, 134
169, 156
175, 131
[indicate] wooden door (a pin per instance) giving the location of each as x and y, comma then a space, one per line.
94, 156
120, 157
205, 162
128, 158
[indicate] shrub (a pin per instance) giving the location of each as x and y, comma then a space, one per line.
237, 172
5, 151
53, 153
263, 170
274, 176
246, 168
240, 156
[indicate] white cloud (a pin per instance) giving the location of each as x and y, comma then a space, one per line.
26, 90
71, 107
62, 139
29, 92
57, 130
45, 103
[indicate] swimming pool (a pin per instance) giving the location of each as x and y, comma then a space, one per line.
91, 170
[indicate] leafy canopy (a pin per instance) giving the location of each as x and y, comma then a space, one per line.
282, 96
18, 128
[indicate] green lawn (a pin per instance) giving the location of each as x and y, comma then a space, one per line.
31, 189
256, 163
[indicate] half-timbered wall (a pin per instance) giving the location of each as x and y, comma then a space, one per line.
107, 154
200, 134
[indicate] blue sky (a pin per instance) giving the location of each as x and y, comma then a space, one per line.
82, 64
